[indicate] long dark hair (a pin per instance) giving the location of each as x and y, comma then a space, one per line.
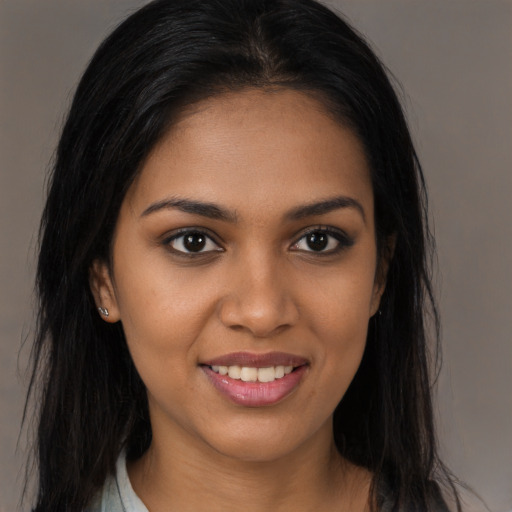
169, 54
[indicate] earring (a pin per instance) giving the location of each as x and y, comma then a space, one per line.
103, 311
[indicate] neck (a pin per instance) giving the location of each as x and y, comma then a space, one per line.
178, 475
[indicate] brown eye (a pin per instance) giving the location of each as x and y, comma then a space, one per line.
191, 242
317, 241
323, 241
194, 242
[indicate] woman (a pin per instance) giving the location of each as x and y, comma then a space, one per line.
233, 274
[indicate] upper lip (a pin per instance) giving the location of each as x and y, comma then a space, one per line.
253, 360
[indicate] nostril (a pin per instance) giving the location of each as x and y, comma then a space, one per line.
237, 328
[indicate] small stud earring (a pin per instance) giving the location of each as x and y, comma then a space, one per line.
103, 311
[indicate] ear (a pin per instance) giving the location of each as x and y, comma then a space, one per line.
381, 273
103, 291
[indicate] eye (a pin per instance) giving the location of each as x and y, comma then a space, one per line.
322, 241
192, 242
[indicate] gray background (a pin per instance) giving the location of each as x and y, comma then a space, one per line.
454, 60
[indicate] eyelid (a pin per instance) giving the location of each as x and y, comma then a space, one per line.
343, 239
181, 232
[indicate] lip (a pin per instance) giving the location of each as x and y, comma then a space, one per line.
254, 360
256, 394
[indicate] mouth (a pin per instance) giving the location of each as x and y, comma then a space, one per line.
253, 374
255, 380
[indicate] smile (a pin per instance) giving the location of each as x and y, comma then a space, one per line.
251, 374
256, 380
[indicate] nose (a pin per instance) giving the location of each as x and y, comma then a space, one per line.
259, 299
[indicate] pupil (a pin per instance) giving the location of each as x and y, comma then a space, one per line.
317, 241
194, 242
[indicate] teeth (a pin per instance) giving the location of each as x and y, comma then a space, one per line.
249, 374
279, 372
266, 374
223, 370
234, 372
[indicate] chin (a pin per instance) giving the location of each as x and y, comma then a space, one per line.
257, 443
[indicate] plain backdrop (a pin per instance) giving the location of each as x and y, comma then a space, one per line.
454, 61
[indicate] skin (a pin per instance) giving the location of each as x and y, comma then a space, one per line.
258, 287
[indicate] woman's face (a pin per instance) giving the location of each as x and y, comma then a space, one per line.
246, 246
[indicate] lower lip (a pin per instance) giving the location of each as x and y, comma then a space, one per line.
255, 394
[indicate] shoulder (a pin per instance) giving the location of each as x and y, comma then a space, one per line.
108, 498
117, 494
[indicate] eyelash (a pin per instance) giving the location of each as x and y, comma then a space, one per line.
343, 241
182, 233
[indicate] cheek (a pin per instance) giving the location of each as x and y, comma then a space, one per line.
154, 294
340, 313
162, 314
339, 364
344, 346
341, 301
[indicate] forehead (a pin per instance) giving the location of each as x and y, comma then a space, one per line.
260, 149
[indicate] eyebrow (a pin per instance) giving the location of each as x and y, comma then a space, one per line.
324, 207
204, 209
213, 211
